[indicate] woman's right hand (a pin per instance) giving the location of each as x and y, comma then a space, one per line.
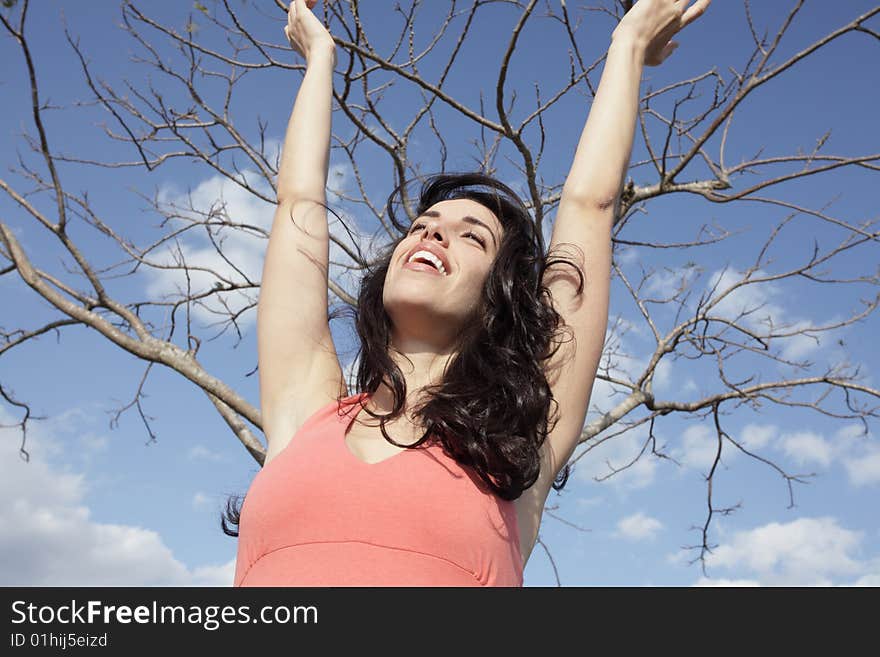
306, 34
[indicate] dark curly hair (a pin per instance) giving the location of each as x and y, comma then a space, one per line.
502, 349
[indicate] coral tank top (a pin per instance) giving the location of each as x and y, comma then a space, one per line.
316, 515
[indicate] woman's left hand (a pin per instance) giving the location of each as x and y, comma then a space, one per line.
652, 23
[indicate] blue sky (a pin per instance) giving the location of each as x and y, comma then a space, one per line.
98, 505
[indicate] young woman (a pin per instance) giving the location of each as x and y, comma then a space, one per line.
436, 472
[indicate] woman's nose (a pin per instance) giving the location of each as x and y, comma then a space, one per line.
434, 229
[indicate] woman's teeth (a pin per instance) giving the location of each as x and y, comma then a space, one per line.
431, 258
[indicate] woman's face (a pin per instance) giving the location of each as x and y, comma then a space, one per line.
429, 304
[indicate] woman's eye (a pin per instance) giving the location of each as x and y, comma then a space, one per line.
479, 239
476, 237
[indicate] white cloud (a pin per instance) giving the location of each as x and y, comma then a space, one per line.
859, 453
638, 527
807, 447
763, 312
628, 364
708, 581
804, 552
850, 436
757, 436
695, 448
662, 375
698, 446
54, 541
272, 150
871, 579
226, 200
799, 346
626, 355
856, 452
200, 501
220, 575
848, 446
626, 255
618, 360
338, 178
200, 452
93, 443
751, 300
666, 282
615, 453
864, 470
624, 326
670, 382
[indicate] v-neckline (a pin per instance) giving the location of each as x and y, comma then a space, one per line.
346, 429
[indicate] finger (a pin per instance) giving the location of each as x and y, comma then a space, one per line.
669, 48
693, 12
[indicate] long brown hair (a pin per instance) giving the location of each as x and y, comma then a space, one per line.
491, 411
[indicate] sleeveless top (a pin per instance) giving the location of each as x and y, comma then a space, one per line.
316, 515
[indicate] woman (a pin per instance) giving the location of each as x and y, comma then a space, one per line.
436, 473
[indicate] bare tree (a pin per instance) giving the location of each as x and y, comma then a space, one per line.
504, 127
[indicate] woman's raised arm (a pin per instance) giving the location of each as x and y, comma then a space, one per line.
305, 156
299, 368
587, 208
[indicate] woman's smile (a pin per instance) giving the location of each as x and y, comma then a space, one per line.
421, 266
